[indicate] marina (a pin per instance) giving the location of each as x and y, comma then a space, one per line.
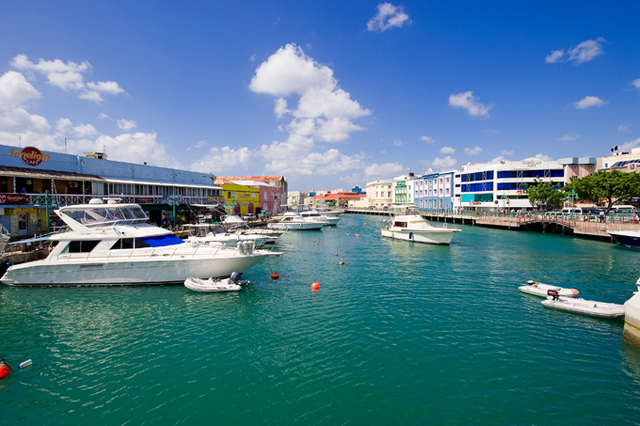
409, 333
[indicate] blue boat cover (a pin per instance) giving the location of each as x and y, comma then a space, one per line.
162, 240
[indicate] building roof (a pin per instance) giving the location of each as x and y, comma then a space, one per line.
250, 178
51, 174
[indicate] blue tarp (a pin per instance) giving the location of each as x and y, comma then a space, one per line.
162, 240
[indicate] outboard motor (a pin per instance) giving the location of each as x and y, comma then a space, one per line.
553, 294
236, 278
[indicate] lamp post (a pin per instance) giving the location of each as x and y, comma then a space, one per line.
173, 200
572, 196
46, 198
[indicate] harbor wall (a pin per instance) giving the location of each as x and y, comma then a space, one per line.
631, 333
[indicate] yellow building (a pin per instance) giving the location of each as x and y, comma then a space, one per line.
240, 199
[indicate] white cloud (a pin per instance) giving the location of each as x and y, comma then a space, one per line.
324, 112
125, 124
220, 160
69, 77
383, 171
102, 116
568, 138
447, 150
507, 153
586, 51
543, 157
467, 101
84, 130
136, 147
445, 163
623, 128
636, 83
583, 52
589, 101
388, 16
627, 146
397, 143
200, 144
473, 151
427, 139
554, 56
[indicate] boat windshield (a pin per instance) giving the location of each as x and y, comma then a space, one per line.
106, 215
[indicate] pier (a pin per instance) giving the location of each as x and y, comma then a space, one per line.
548, 223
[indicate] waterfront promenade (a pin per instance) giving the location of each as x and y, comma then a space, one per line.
529, 221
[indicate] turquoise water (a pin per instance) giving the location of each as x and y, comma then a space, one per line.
402, 333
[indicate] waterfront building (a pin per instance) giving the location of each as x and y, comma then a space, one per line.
576, 168
434, 190
240, 199
296, 197
502, 185
402, 189
357, 190
33, 183
623, 161
341, 199
380, 193
273, 190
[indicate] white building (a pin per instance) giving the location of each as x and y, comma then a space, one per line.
380, 193
502, 185
403, 189
296, 197
623, 161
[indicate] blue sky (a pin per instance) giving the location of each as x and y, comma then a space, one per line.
330, 94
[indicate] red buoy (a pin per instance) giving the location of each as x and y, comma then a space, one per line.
365, 224
275, 276
315, 286
357, 235
5, 369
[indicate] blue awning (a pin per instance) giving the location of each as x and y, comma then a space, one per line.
162, 240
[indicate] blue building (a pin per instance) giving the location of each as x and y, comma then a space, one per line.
434, 190
34, 182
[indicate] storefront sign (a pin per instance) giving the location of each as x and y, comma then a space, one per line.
13, 199
31, 156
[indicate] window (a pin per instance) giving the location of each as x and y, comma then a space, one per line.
81, 246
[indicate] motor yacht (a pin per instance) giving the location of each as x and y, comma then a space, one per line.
208, 233
113, 244
315, 215
291, 221
234, 223
409, 225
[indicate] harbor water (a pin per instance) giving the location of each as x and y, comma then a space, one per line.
402, 333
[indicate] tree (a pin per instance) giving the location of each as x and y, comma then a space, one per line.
544, 194
611, 186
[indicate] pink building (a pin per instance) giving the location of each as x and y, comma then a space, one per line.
273, 189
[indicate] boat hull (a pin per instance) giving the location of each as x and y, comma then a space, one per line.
127, 271
297, 226
587, 307
435, 236
626, 238
541, 290
210, 286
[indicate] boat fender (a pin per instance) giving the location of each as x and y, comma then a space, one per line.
410, 235
5, 368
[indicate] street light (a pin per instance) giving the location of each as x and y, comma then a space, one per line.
572, 196
46, 199
173, 200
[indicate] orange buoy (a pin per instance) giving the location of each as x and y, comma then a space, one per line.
336, 254
357, 235
5, 369
315, 286
275, 276
365, 224
341, 262
316, 243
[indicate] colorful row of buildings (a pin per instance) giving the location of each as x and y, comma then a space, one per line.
476, 186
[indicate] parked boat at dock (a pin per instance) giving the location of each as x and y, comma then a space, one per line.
212, 285
206, 233
331, 220
411, 226
626, 238
291, 221
539, 289
112, 244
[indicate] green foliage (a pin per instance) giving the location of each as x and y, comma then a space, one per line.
611, 186
544, 195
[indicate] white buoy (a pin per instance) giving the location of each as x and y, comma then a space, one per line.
25, 364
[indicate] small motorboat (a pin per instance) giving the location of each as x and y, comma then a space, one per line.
212, 285
584, 307
540, 289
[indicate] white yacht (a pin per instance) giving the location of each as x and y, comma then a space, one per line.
294, 222
112, 244
234, 223
206, 233
315, 215
409, 225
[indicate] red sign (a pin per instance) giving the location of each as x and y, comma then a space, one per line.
31, 156
13, 199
